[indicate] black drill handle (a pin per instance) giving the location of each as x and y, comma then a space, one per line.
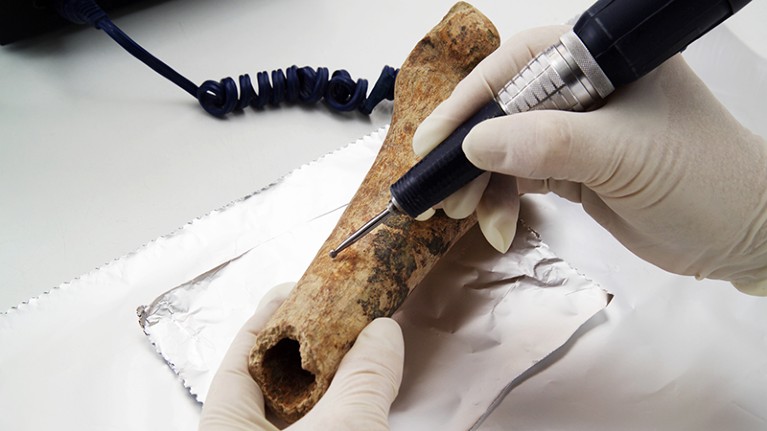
629, 38
441, 172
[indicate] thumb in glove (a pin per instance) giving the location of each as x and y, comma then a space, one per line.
359, 397
365, 385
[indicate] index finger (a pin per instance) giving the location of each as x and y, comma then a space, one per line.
481, 85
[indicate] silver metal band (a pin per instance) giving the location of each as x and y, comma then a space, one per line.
564, 77
587, 64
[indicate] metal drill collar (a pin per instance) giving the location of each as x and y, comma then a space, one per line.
564, 76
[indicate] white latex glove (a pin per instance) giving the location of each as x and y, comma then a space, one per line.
494, 197
359, 397
662, 165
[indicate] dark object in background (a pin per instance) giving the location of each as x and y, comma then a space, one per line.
23, 19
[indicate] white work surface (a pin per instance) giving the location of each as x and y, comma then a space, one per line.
99, 155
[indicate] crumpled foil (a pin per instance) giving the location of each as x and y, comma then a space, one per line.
478, 321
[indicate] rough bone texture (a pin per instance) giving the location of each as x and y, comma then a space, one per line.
298, 352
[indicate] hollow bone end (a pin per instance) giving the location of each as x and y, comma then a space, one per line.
289, 389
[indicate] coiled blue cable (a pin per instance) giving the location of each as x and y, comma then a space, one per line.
303, 85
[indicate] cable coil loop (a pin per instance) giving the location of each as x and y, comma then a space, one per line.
295, 85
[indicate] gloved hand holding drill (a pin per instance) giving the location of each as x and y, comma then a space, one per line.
663, 166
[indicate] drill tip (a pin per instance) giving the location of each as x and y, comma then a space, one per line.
365, 229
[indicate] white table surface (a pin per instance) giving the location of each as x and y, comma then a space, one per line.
99, 155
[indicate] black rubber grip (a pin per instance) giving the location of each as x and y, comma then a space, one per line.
441, 172
629, 38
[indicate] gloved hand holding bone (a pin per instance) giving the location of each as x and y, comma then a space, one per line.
359, 397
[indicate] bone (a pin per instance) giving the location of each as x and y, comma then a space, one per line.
298, 352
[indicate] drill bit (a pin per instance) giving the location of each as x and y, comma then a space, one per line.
390, 210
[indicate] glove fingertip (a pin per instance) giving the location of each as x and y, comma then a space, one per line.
426, 215
498, 213
500, 239
457, 209
462, 203
429, 134
383, 333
